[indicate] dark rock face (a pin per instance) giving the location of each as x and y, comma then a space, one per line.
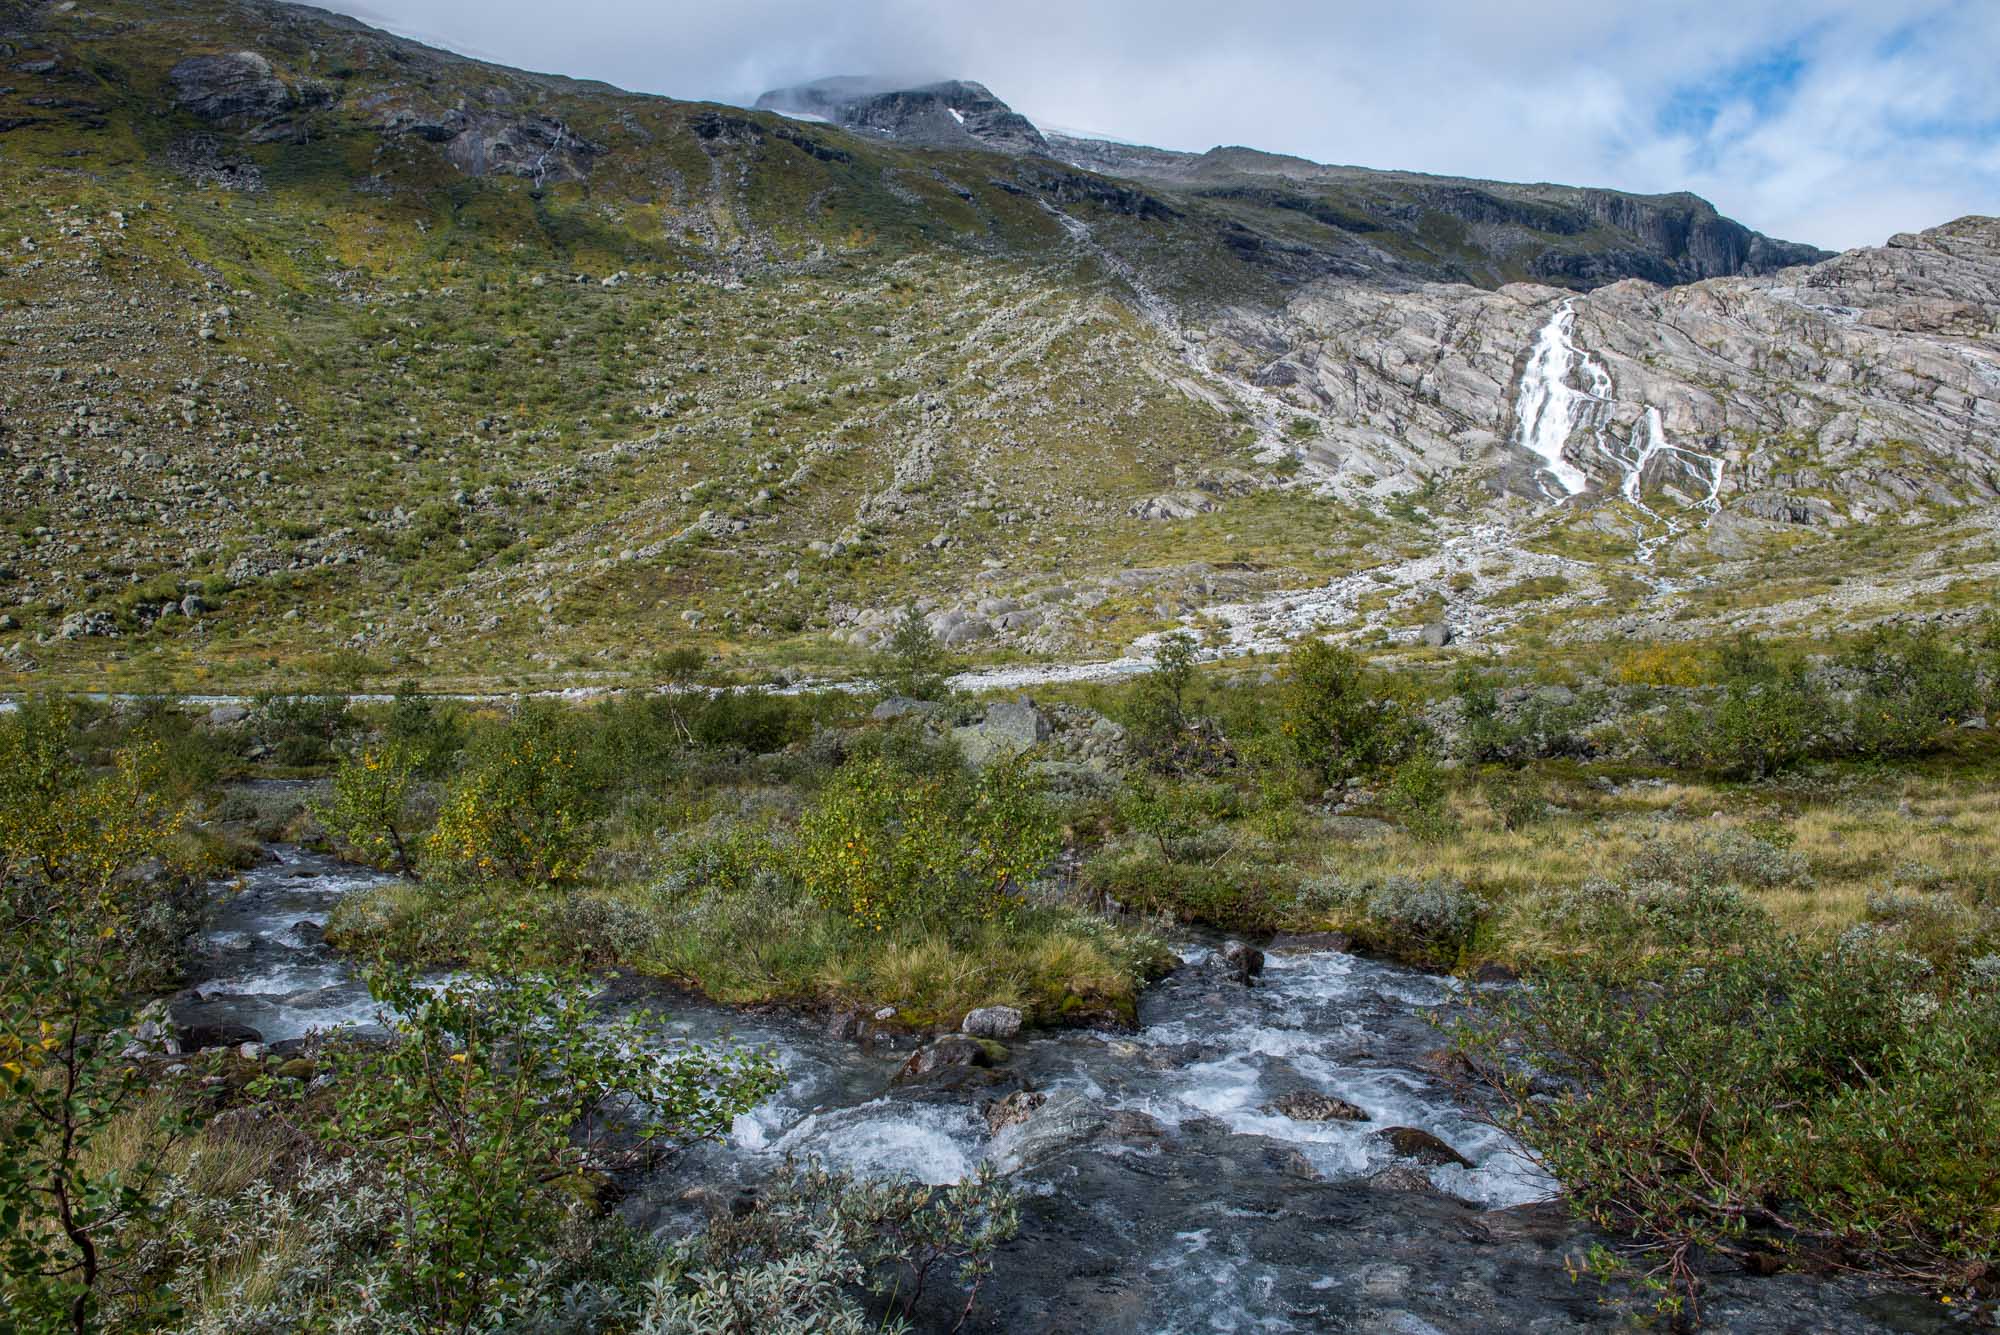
952, 1050
1238, 962
240, 87
953, 114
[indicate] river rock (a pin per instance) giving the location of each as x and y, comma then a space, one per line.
1306, 1105
1013, 1109
1402, 1177
200, 1037
1064, 1120
1238, 961
1425, 1148
227, 715
1008, 728
992, 1022
951, 1050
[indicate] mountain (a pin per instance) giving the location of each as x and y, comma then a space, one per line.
315, 340
954, 114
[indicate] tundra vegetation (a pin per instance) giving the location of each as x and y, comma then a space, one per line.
1751, 885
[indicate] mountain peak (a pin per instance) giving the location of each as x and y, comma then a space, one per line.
953, 113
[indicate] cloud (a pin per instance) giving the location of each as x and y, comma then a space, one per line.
1832, 121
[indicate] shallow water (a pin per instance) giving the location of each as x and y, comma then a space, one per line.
1216, 1216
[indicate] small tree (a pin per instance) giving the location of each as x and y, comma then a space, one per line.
913, 664
1157, 718
73, 932
1336, 724
375, 805
523, 808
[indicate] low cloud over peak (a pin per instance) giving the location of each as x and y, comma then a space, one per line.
1831, 121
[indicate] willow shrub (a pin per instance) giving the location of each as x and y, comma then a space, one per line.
1776, 1102
525, 806
889, 848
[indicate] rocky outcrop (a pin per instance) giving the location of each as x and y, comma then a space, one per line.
953, 114
239, 88
1859, 387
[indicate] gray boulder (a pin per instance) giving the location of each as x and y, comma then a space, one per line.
1007, 729
992, 1022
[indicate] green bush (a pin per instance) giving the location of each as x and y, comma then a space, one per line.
1916, 685
912, 663
1182, 819
1423, 921
301, 730
1721, 857
752, 722
524, 807
1159, 723
1819, 1104
1769, 717
888, 848
80, 933
1419, 795
1338, 719
1618, 923
377, 807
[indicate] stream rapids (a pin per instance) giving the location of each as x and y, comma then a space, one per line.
1162, 1192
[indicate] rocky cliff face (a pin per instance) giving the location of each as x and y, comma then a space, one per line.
1842, 392
953, 114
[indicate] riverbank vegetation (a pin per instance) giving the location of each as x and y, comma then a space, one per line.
1775, 861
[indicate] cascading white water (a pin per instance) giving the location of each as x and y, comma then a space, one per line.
1654, 444
1551, 409
1548, 403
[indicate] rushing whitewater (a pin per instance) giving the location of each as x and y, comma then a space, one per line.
1548, 402
1552, 409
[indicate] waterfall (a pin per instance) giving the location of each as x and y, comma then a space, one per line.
1551, 409
1548, 404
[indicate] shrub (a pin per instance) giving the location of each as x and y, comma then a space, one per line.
1156, 716
79, 933
1425, 921
1419, 795
792, 1263
498, 1097
1619, 923
1180, 818
885, 847
523, 807
750, 721
1816, 1103
375, 807
1682, 665
1915, 685
1769, 718
429, 736
1337, 723
1721, 857
1517, 800
301, 729
912, 663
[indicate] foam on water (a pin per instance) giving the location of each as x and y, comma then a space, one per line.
1548, 403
